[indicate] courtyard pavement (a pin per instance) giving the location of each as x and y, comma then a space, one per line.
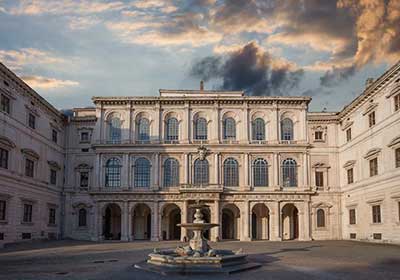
327, 260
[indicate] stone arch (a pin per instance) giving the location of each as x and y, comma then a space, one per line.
170, 217
111, 221
260, 222
141, 222
230, 222
290, 222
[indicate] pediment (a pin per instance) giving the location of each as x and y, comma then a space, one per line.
372, 152
6, 142
394, 142
31, 153
349, 163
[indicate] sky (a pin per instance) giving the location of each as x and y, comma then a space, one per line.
71, 50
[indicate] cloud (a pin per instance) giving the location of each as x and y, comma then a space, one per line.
334, 76
39, 82
251, 69
16, 59
81, 23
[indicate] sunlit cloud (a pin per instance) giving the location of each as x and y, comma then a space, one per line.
39, 82
16, 59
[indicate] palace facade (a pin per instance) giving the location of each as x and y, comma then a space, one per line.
130, 167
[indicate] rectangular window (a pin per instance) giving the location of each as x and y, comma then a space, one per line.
377, 236
397, 102
352, 216
350, 177
3, 158
318, 135
353, 236
319, 178
5, 104
398, 205
3, 208
85, 136
397, 157
84, 180
54, 135
373, 167
32, 121
52, 216
53, 177
348, 134
376, 214
371, 119
27, 213
29, 167
26, 235
1, 235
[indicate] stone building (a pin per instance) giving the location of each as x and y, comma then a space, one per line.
268, 168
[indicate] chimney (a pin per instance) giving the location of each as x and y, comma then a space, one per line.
369, 82
201, 85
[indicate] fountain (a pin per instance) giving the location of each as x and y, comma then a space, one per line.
198, 256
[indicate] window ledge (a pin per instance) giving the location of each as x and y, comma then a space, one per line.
3, 222
51, 225
27, 223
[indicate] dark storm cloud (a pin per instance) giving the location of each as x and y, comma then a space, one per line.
335, 76
250, 69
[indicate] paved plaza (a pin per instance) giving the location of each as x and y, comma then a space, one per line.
280, 260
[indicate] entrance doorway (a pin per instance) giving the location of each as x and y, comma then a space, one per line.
290, 222
141, 222
112, 222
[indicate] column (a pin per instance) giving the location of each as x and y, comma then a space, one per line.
246, 220
216, 232
245, 125
124, 221
184, 219
277, 171
125, 171
275, 221
155, 232
215, 131
96, 173
98, 221
246, 185
306, 221
216, 169
305, 175
156, 175
157, 134
129, 222
132, 126
186, 124
186, 168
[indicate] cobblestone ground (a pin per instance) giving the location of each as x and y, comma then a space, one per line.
280, 260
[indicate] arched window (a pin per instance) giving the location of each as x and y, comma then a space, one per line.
115, 130
142, 173
200, 132
320, 218
82, 215
260, 173
143, 129
231, 172
113, 173
172, 129
258, 129
289, 173
200, 172
229, 128
171, 173
286, 129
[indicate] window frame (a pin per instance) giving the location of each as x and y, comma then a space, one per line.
31, 120
4, 158
371, 119
54, 136
27, 216
201, 129
201, 172
231, 172
373, 167
320, 224
52, 216
397, 157
350, 171
258, 129
352, 216
289, 165
348, 134
287, 129
113, 173
53, 176
80, 217
319, 179
229, 129
260, 168
143, 129
30, 167
142, 176
5, 107
3, 210
396, 100
171, 173
376, 213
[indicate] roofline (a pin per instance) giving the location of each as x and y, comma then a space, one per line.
31, 91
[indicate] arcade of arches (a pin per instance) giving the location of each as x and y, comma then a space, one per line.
243, 221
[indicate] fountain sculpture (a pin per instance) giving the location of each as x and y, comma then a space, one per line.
198, 256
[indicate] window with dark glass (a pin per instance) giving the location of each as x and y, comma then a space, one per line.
260, 173
352, 216
229, 129
82, 216
318, 135
397, 102
376, 214
172, 129
84, 136
373, 167
371, 119
397, 157
27, 218
320, 218
289, 173
231, 172
53, 176
201, 174
350, 178
319, 178
286, 129
84, 179
52, 216
115, 130
5, 104
200, 129
29, 167
32, 120
143, 129
348, 134
142, 173
171, 173
3, 208
3, 158
258, 129
54, 135
113, 173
